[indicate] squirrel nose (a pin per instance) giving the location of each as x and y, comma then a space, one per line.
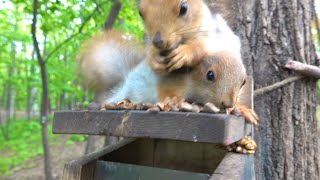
157, 40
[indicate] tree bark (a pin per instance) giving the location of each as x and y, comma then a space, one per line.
44, 98
11, 87
273, 31
113, 14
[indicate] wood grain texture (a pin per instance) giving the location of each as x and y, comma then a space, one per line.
118, 171
170, 154
84, 168
195, 127
191, 157
235, 166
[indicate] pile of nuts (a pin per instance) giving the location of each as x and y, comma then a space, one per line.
244, 146
169, 104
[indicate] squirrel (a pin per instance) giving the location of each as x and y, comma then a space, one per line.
97, 61
182, 32
190, 53
109, 62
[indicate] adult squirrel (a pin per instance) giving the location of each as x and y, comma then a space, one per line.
109, 62
182, 32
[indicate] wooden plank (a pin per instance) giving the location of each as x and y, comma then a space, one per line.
84, 168
195, 127
139, 152
188, 156
115, 171
170, 154
235, 166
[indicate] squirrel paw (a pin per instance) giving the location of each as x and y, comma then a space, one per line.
179, 57
158, 67
244, 146
157, 62
249, 115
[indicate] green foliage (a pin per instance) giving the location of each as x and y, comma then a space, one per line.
76, 138
62, 27
24, 143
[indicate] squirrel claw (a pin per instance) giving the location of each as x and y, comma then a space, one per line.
157, 63
179, 57
249, 115
158, 67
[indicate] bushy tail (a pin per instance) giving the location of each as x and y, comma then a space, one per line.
106, 59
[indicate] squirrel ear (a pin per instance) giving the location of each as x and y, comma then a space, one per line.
244, 82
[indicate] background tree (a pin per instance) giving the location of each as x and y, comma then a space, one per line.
61, 29
273, 32
45, 94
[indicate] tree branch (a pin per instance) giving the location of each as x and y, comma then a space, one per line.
73, 35
113, 14
303, 69
33, 31
275, 86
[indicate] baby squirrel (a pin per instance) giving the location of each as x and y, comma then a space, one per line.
182, 32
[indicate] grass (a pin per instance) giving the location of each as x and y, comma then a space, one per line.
25, 143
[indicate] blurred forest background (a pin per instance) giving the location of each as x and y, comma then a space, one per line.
62, 27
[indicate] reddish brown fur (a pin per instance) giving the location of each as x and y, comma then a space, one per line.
93, 69
194, 86
163, 16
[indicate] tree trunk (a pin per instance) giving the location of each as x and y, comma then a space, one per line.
11, 72
272, 32
28, 89
44, 98
113, 14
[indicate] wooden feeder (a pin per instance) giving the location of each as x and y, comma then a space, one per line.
159, 146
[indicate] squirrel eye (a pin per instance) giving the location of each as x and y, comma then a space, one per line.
210, 76
183, 8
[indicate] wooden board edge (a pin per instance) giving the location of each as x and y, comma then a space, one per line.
85, 166
235, 166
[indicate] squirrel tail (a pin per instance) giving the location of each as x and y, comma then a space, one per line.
105, 60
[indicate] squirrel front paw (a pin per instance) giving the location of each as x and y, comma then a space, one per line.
157, 63
179, 57
249, 115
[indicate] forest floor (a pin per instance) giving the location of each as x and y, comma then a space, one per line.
60, 154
